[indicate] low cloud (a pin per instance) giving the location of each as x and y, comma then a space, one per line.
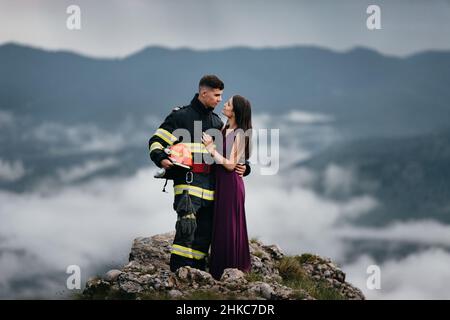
427, 232
79, 138
296, 217
297, 141
11, 171
64, 139
299, 220
422, 275
338, 180
92, 224
86, 169
6, 119
358, 206
87, 225
303, 117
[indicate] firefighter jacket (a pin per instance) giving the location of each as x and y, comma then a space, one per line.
201, 188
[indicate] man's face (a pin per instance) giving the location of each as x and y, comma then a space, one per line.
211, 97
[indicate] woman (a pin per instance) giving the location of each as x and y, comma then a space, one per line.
229, 245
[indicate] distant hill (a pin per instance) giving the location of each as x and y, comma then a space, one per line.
409, 176
367, 93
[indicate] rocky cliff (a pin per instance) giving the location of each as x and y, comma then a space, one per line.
274, 276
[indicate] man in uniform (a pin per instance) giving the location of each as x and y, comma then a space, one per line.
193, 229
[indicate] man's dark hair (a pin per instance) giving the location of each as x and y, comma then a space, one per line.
211, 81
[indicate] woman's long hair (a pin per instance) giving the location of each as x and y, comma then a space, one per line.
243, 113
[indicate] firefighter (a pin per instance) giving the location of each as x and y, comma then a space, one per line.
194, 187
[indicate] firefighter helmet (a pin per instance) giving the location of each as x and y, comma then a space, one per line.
180, 154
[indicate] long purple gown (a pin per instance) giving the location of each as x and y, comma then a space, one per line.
229, 245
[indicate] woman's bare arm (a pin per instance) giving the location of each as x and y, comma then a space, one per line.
237, 151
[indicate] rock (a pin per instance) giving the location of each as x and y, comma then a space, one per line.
195, 277
129, 283
266, 290
95, 286
280, 292
130, 287
148, 275
264, 258
233, 275
154, 250
174, 294
327, 273
233, 278
271, 291
275, 251
112, 275
272, 278
320, 268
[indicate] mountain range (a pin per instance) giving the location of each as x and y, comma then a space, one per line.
367, 93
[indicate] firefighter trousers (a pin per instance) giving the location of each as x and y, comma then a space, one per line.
192, 250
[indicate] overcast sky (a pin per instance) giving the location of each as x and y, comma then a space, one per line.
116, 28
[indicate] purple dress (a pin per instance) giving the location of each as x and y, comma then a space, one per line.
229, 245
